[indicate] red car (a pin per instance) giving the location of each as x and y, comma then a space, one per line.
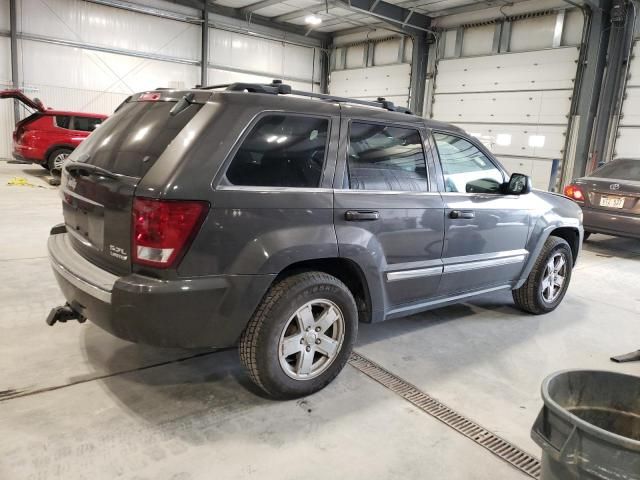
47, 136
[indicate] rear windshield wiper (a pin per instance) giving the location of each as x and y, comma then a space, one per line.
184, 103
88, 169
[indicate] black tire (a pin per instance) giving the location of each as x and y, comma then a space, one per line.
260, 342
52, 158
529, 297
586, 236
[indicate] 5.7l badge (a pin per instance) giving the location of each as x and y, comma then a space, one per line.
118, 252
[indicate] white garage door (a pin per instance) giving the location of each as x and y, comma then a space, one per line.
628, 141
517, 104
388, 74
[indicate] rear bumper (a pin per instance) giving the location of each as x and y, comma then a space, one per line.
611, 222
26, 154
190, 313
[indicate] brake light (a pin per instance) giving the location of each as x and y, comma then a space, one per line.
149, 97
574, 192
162, 230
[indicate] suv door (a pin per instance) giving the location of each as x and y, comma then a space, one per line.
388, 216
485, 230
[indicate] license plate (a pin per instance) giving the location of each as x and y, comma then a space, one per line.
612, 202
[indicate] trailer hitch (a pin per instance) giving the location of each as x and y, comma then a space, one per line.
63, 313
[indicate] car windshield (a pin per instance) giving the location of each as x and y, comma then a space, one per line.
623, 169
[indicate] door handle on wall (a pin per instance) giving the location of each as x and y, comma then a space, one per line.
361, 215
466, 214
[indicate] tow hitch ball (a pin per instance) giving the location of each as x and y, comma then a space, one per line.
64, 313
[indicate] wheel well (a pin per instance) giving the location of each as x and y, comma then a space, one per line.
57, 147
347, 271
572, 238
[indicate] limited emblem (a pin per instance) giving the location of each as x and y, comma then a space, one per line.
71, 183
614, 186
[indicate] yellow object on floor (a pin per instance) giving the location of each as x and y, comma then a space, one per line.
22, 182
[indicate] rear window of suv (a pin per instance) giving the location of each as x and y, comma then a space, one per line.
281, 151
131, 140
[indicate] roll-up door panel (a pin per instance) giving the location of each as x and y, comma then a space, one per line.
628, 135
541, 70
541, 107
384, 81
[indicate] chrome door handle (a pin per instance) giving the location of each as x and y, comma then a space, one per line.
465, 214
361, 215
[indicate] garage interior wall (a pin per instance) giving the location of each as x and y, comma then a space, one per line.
628, 134
6, 108
511, 85
83, 56
369, 65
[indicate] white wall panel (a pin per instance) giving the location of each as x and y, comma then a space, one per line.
6, 106
631, 108
541, 70
4, 14
61, 66
547, 107
385, 81
217, 76
478, 40
532, 33
269, 59
81, 21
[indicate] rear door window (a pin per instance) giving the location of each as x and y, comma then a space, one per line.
86, 124
131, 140
281, 151
384, 157
63, 121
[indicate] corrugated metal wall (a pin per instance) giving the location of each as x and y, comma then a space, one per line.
81, 56
514, 95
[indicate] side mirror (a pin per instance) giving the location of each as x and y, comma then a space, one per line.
519, 184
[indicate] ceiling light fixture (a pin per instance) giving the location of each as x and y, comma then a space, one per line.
312, 20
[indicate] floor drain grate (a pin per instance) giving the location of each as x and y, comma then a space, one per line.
508, 452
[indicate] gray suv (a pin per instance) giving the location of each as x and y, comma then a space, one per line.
277, 220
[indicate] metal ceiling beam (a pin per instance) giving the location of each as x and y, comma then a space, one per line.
405, 19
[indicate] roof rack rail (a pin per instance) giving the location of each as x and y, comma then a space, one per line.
278, 88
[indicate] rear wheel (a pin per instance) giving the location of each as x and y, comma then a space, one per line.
57, 158
586, 236
549, 279
301, 335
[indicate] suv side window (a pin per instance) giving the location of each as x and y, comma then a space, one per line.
466, 169
86, 124
281, 151
63, 121
382, 157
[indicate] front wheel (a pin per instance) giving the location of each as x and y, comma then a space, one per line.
300, 336
549, 279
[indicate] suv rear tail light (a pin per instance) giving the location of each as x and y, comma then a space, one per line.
162, 230
574, 192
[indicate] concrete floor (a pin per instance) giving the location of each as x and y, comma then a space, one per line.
77, 403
